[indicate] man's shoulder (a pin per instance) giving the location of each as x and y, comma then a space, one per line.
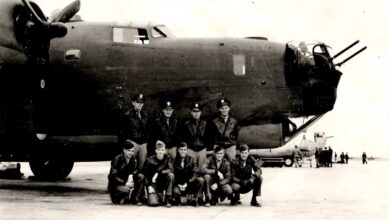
232, 119
151, 159
210, 159
216, 119
118, 158
225, 161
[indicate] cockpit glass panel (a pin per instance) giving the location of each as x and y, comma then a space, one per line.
304, 52
130, 35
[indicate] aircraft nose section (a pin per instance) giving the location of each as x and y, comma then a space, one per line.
320, 93
314, 74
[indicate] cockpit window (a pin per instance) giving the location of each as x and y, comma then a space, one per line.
162, 31
304, 52
130, 35
157, 33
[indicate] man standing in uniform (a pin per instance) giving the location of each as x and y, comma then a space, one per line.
195, 135
224, 129
317, 157
159, 175
342, 157
187, 181
330, 156
165, 129
134, 127
364, 158
297, 155
216, 171
246, 175
122, 166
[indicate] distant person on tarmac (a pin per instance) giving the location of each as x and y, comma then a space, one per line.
364, 158
317, 157
346, 158
297, 155
335, 157
342, 157
330, 156
325, 157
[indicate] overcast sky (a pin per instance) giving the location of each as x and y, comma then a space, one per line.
360, 120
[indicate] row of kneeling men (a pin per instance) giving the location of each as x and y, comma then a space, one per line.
178, 181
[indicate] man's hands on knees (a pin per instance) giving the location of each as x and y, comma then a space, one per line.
130, 182
182, 187
151, 189
220, 175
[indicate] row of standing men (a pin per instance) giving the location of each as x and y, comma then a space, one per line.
169, 138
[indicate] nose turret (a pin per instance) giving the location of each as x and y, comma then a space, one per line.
312, 72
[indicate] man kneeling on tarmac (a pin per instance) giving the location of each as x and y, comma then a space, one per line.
216, 171
246, 175
188, 187
122, 190
158, 170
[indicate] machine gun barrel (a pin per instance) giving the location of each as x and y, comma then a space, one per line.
350, 57
347, 48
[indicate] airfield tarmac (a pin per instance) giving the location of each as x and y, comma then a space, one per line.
352, 191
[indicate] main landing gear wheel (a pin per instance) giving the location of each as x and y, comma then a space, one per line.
288, 162
51, 169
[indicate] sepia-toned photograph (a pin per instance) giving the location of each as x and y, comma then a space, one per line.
194, 109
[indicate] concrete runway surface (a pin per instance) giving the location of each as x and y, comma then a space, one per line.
352, 191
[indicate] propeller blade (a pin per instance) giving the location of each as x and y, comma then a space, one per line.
35, 12
67, 13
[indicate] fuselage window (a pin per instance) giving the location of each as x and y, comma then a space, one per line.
239, 65
130, 35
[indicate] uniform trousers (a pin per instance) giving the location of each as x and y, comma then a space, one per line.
246, 186
172, 152
164, 182
199, 156
119, 192
222, 190
194, 187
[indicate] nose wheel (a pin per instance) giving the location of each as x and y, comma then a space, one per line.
47, 168
288, 162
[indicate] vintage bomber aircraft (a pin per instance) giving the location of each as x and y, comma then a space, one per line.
64, 82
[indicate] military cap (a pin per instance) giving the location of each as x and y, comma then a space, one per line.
138, 98
167, 105
243, 147
127, 144
217, 149
160, 144
181, 144
223, 102
196, 107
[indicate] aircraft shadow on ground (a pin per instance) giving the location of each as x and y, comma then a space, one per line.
49, 187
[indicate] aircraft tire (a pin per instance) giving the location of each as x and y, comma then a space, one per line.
51, 169
288, 161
